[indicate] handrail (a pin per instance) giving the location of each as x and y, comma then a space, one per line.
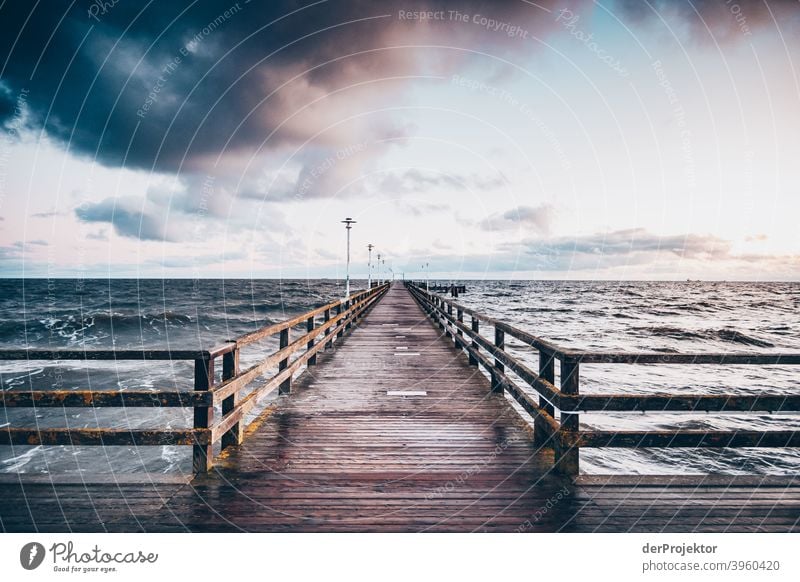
564, 433
229, 429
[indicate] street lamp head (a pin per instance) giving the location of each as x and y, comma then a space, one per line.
348, 222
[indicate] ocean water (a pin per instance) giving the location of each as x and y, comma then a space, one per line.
129, 314
669, 317
187, 314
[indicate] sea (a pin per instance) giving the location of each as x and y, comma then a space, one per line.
669, 317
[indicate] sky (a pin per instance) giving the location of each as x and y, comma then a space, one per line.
514, 139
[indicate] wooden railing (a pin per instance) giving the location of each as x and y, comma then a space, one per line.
565, 434
337, 318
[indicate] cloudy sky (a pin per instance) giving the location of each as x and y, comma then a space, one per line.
512, 139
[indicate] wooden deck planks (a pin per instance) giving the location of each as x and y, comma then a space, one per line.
342, 453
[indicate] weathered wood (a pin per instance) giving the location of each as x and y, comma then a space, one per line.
599, 357
56, 355
102, 437
549, 425
230, 369
474, 344
570, 402
326, 319
202, 454
682, 402
244, 378
339, 312
698, 359
272, 329
528, 375
310, 328
547, 374
224, 389
500, 345
102, 398
344, 453
567, 454
286, 385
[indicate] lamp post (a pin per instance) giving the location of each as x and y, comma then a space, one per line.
369, 266
379, 270
348, 222
427, 275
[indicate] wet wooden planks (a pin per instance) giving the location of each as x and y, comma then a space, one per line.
81, 507
348, 452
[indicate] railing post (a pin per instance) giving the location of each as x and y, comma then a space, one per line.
230, 369
326, 317
475, 327
459, 333
339, 312
450, 313
349, 317
547, 371
286, 385
309, 328
202, 456
567, 457
499, 343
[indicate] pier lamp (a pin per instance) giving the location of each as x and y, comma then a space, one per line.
348, 224
369, 266
380, 282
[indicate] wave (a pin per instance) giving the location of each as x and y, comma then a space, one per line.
667, 331
726, 334
93, 326
737, 337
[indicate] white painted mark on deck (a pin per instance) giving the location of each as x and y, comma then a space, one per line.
406, 353
401, 348
406, 393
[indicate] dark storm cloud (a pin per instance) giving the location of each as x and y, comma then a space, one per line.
149, 85
6, 104
155, 84
126, 221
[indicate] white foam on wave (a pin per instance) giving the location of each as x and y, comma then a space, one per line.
18, 463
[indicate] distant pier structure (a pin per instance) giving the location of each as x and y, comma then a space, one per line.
447, 288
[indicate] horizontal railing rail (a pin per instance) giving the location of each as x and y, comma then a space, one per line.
564, 432
337, 318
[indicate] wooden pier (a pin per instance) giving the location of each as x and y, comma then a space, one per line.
386, 423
